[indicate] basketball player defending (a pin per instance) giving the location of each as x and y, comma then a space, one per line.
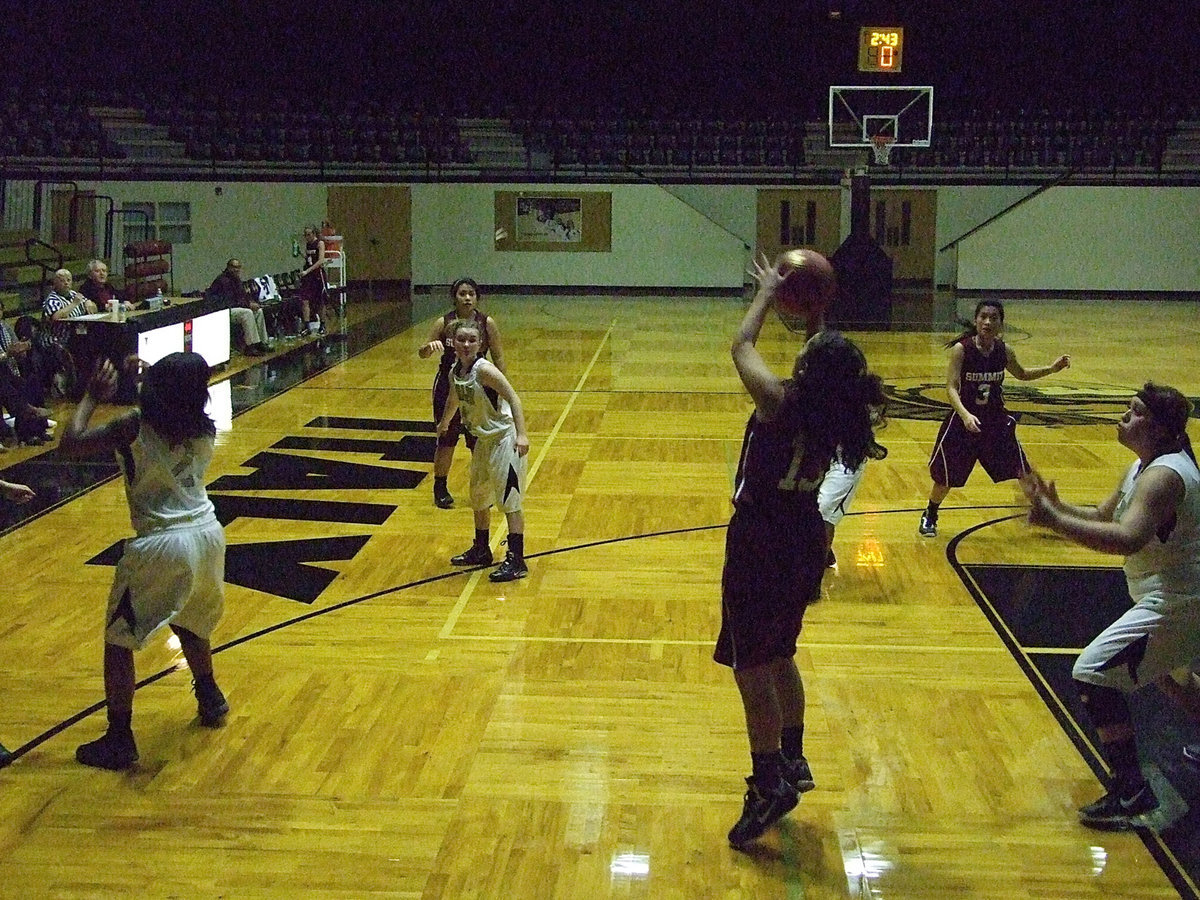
1153, 520
492, 413
775, 545
14, 493
173, 572
465, 294
979, 428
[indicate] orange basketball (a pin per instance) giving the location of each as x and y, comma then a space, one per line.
809, 283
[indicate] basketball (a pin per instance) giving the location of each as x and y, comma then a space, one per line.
808, 285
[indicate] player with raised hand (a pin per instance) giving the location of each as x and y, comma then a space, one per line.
806, 288
775, 545
172, 572
1153, 520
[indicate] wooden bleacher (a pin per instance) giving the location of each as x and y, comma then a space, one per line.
26, 265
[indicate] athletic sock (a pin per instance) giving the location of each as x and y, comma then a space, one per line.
932, 509
481, 537
768, 770
1127, 773
120, 722
516, 544
792, 741
205, 682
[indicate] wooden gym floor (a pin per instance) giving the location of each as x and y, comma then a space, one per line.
403, 729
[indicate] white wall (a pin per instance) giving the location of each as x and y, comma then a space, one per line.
1067, 238
657, 241
959, 209
1089, 239
252, 221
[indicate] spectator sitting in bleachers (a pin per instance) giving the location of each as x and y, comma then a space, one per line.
245, 311
21, 398
42, 360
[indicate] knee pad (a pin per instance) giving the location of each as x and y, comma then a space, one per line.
1105, 706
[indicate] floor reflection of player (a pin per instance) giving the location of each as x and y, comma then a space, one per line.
14, 493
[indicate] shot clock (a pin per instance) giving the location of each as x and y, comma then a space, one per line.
880, 49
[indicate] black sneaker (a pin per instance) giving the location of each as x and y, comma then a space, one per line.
211, 704
1191, 753
928, 526
476, 556
1112, 812
797, 773
443, 500
112, 751
5, 756
761, 811
511, 569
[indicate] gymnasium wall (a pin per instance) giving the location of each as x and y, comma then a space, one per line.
1089, 239
255, 222
691, 236
657, 240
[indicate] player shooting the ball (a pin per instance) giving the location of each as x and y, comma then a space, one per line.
775, 545
802, 300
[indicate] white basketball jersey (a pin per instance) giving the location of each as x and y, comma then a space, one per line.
1170, 561
164, 486
484, 412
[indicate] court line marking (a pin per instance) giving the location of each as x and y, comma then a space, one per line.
469, 588
1162, 853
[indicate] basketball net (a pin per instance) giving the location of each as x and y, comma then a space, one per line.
881, 146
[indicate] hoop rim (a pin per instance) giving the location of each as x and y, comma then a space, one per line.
881, 147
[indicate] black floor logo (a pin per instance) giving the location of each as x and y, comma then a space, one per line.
291, 568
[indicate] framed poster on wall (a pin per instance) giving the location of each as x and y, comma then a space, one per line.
548, 221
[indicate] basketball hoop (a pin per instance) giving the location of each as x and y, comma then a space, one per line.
881, 146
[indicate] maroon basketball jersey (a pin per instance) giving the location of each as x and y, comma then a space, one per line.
981, 382
776, 469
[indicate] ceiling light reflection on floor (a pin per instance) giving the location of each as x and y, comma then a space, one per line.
630, 865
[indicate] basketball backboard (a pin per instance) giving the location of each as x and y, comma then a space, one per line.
859, 113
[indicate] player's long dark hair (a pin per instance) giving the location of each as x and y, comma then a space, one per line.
173, 396
836, 399
1170, 409
972, 331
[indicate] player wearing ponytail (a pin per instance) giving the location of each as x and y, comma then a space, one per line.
1153, 520
978, 428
